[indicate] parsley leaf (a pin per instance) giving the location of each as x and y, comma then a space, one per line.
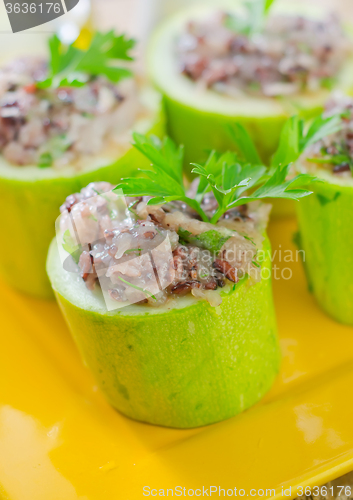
225, 185
295, 139
244, 144
234, 178
70, 66
277, 187
164, 181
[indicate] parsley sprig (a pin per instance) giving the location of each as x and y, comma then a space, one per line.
295, 139
71, 66
234, 178
253, 21
294, 142
164, 182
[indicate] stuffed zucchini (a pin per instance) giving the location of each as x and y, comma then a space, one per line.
324, 219
172, 307
218, 64
63, 123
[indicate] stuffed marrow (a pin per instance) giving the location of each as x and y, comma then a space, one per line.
169, 299
325, 217
64, 122
231, 62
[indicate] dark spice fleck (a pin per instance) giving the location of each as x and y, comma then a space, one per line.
344, 167
225, 268
184, 287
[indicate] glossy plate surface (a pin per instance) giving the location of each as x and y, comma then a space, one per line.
59, 439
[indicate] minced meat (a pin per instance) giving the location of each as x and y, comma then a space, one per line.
292, 53
188, 255
59, 126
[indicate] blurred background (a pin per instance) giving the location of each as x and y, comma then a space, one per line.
139, 16
135, 17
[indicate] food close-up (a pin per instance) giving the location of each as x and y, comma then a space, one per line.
183, 268
256, 63
65, 121
324, 223
176, 262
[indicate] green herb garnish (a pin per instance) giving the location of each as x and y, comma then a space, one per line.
69, 245
55, 148
73, 67
253, 21
137, 288
45, 160
210, 240
342, 157
165, 180
133, 250
248, 238
234, 178
295, 139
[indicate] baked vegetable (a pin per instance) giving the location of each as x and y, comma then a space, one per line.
325, 218
63, 123
176, 319
252, 63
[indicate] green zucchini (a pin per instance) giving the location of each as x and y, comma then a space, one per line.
182, 365
30, 198
327, 239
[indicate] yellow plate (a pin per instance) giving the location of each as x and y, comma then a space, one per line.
59, 439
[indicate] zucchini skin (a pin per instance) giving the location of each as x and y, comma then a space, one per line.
30, 209
326, 237
201, 131
181, 368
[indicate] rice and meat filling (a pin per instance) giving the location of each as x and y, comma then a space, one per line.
290, 54
334, 153
60, 126
189, 255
